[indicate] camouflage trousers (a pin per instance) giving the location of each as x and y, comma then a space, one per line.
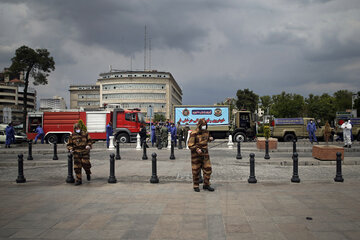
81, 161
198, 163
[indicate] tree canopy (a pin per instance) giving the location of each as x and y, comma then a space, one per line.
36, 64
247, 99
286, 105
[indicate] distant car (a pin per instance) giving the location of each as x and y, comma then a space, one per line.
19, 137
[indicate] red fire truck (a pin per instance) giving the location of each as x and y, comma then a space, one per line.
59, 125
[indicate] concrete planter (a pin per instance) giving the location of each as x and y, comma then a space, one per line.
327, 152
260, 143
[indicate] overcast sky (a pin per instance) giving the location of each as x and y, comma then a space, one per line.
211, 47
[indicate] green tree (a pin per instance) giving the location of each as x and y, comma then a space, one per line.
357, 103
265, 103
34, 63
159, 117
247, 99
287, 105
320, 107
343, 99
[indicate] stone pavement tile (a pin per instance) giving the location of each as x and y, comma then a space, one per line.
199, 234
237, 236
259, 219
264, 227
54, 234
5, 233
111, 234
299, 236
84, 234
238, 228
159, 234
328, 235
235, 219
215, 227
352, 235
292, 227
286, 219
330, 218
345, 226
31, 224
71, 222
256, 212
278, 212
139, 233
270, 236
96, 222
28, 233
314, 226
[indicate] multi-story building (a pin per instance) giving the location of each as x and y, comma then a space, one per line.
54, 103
12, 97
134, 89
84, 96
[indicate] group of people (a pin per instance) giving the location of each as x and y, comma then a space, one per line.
346, 126
160, 132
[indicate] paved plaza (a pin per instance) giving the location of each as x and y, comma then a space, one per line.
46, 207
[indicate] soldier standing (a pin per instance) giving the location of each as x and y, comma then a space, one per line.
185, 133
158, 134
311, 128
179, 132
198, 144
164, 135
79, 145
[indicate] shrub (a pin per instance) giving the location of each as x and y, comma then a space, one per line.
267, 132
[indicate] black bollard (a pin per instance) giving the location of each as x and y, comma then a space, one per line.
154, 178
117, 157
267, 156
70, 177
338, 177
21, 178
30, 157
55, 157
112, 178
252, 178
238, 156
294, 146
295, 178
180, 143
172, 156
144, 157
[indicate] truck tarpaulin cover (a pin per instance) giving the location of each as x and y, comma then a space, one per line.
216, 115
289, 121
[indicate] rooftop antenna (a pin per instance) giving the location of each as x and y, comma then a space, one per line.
145, 49
110, 68
149, 53
131, 57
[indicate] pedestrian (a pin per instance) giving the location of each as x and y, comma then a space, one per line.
40, 134
198, 144
10, 135
185, 133
346, 126
311, 128
164, 135
173, 133
109, 132
153, 134
142, 134
79, 145
179, 132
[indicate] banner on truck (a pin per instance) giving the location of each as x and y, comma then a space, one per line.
289, 121
213, 115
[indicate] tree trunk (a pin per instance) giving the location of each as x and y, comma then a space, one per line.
25, 98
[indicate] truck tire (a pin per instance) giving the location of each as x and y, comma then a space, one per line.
123, 138
289, 137
52, 138
239, 137
65, 138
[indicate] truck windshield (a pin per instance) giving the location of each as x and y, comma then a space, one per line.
141, 118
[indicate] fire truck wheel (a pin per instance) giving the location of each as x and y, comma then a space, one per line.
239, 137
52, 138
123, 138
65, 138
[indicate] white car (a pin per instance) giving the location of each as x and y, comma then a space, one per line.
19, 137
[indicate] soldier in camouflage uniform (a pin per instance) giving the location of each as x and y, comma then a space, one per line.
185, 133
164, 135
79, 145
198, 144
158, 134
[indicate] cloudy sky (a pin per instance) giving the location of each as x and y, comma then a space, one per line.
211, 47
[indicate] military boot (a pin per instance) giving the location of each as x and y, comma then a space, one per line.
88, 177
207, 187
78, 182
196, 189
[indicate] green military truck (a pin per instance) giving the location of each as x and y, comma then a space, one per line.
288, 129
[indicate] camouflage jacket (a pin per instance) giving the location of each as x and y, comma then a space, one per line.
199, 140
79, 141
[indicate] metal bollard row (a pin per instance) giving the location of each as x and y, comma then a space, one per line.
30, 157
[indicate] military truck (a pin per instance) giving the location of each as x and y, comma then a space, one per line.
242, 127
288, 129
